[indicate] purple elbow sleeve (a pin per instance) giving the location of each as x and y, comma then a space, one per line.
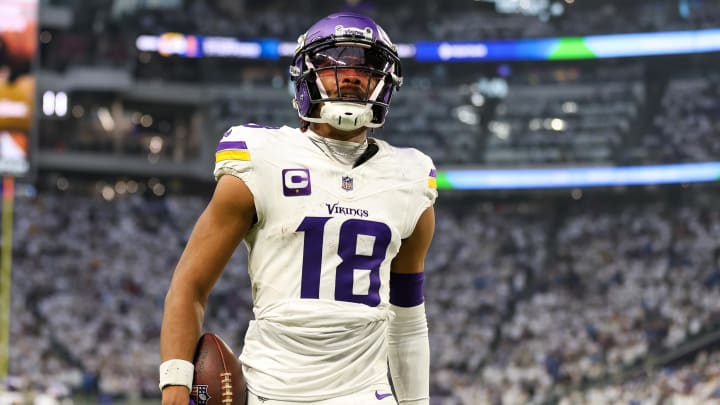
406, 290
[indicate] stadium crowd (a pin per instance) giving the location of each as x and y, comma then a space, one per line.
549, 116
529, 301
686, 128
408, 21
604, 112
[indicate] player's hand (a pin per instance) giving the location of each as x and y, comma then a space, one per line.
176, 395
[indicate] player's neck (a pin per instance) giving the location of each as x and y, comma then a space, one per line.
327, 131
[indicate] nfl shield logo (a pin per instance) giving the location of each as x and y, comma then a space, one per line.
347, 183
200, 394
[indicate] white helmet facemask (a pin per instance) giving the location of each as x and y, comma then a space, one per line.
346, 115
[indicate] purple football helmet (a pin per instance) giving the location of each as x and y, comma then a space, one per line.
345, 41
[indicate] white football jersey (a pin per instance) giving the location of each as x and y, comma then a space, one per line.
319, 258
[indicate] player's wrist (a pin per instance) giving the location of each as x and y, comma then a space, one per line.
176, 372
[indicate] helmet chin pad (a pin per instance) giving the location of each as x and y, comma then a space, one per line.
346, 116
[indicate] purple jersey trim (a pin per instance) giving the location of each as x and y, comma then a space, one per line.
406, 290
232, 145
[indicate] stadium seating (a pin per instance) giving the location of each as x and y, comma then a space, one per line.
526, 299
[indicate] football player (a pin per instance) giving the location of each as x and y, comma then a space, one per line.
337, 225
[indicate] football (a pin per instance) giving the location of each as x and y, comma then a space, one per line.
218, 378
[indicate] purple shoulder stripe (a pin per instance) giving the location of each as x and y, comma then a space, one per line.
231, 145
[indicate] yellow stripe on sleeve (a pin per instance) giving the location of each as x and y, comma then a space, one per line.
432, 182
232, 155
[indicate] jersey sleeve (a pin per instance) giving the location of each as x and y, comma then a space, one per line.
424, 191
234, 157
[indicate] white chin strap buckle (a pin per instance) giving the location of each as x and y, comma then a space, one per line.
346, 116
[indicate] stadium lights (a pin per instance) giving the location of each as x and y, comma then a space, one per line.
467, 115
106, 119
570, 107
540, 8
507, 179
55, 103
552, 48
500, 129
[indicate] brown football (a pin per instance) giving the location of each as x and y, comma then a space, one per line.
218, 378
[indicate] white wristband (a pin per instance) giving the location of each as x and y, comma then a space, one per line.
176, 372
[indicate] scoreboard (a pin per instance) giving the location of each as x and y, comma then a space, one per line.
18, 45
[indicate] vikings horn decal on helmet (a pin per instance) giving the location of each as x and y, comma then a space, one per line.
345, 41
